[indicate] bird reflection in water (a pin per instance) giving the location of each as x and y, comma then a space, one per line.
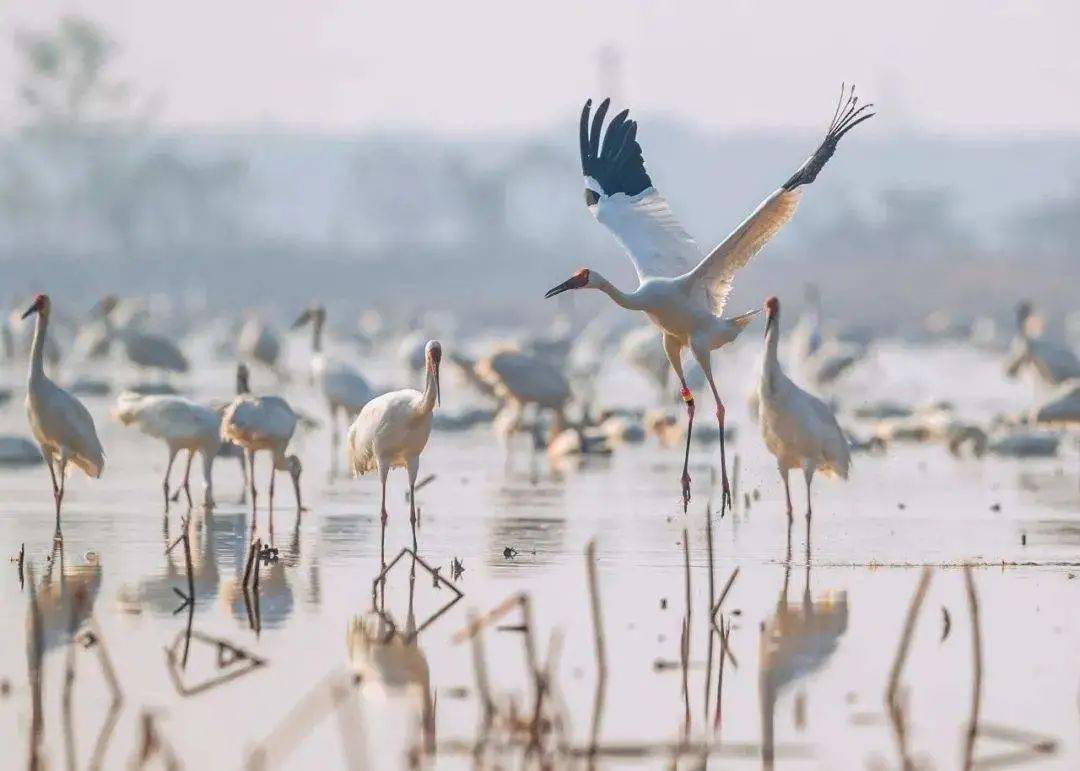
274, 601
157, 592
65, 599
795, 641
395, 681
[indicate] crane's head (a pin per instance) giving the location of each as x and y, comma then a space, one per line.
772, 309
316, 315
106, 305
243, 379
576, 281
40, 305
432, 360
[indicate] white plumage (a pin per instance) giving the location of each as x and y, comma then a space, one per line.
59, 422
799, 429
682, 291
263, 423
519, 379
182, 425
345, 390
392, 430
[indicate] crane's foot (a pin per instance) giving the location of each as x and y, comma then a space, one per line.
725, 493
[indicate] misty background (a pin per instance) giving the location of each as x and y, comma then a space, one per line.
372, 159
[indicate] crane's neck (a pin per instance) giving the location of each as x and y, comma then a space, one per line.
430, 395
37, 349
316, 336
621, 298
770, 366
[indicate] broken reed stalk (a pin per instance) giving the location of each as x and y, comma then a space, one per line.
712, 598
258, 562
685, 652
68, 692
479, 661
977, 674
97, 756
724, 592
736, 464
906, 634
598, 643
22, 563
326, 696
187, 562
893, 705
34, 653
250, 563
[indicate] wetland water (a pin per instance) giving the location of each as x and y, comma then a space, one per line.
812, 641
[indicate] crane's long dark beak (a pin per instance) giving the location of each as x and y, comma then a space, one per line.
30, 311
574, 282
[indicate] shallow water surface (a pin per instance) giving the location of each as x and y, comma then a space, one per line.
812, 628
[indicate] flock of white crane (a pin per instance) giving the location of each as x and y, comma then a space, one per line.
682, 290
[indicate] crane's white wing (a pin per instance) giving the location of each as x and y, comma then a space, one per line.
718, 269
646, 228
620, 195
69, 424
265, 417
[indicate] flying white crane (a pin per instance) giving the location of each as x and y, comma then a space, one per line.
263, 423
1054, 363
682, 292
182, 425
344, 388
59, 422
799, 429
392, 430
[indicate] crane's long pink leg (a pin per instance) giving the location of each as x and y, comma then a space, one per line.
383, 471
187, 479
688, 399
787, 493
251, 489
702, 355
413, 467
55, 486
673, 349
165, 481
60, 496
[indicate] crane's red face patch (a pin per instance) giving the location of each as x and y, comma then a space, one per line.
576, 281
772, 305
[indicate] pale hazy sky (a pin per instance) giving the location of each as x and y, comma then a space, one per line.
953, 66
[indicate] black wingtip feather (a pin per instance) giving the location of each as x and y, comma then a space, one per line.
847, 115
616, 163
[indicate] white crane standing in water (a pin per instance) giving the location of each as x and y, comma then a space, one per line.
344, 388
263, 423
392, 430
681, 291
799, 429
182, 425
59, 422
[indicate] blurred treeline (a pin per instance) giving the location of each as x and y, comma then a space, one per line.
96, 196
